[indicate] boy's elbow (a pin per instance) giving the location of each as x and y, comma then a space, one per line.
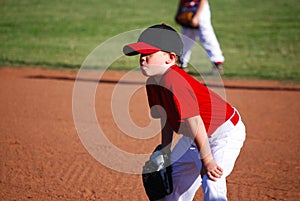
157, 112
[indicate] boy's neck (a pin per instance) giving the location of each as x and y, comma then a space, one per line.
158, 77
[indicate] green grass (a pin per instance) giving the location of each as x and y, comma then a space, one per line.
260, 39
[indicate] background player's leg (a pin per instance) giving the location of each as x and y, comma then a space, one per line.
188, 39
208, 37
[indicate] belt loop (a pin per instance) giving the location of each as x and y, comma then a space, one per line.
235, 118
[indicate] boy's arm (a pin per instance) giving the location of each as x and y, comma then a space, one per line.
195, 20
166, 136
198, 131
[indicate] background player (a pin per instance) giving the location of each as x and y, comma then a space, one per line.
204, 32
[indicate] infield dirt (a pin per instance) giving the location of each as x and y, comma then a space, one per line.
43, 159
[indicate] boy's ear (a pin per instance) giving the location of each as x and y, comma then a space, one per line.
172, 58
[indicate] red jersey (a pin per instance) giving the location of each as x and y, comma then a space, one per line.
182, 96
188, 1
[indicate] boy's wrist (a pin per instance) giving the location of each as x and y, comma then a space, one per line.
166, 149
207, 159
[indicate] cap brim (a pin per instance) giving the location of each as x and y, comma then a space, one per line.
139, 48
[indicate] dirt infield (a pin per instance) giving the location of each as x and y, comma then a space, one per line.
43, 159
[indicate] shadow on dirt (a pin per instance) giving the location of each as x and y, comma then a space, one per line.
256, 88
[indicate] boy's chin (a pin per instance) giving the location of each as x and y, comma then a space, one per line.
146, 73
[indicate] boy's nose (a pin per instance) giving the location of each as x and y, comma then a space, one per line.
142, 58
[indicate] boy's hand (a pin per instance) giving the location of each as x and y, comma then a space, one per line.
195, 22
197, 129
212, 169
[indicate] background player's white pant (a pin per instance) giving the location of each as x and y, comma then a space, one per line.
226, 143
205, 33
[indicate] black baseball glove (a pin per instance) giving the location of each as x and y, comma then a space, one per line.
157, 175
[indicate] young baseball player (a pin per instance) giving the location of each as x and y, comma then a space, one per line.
212, 130
205, 33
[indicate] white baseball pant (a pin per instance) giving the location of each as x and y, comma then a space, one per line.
225, 143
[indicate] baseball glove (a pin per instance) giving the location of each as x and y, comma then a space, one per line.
185, 19
157, 175
185, 14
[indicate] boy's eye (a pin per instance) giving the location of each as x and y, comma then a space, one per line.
144, 55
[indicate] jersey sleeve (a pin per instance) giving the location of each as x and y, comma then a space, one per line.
185, 98
153, 99
186, 101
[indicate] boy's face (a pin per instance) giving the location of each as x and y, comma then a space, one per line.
154, 64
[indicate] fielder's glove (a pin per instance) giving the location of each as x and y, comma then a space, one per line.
185, 19
157, 175
185, 14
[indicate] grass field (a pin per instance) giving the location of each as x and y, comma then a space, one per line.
260, 39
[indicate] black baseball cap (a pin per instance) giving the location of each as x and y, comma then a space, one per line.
156, 38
